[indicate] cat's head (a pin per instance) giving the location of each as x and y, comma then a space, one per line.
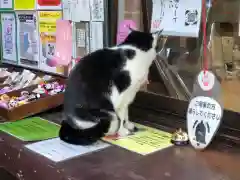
143, 40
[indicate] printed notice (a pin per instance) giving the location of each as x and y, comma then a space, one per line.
28, 39
81, 37
6, 4
9, 49
47, 29
147, 140
177, 18
97, 10
96, 36
31, 129
57, 150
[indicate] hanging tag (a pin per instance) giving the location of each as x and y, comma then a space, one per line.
205, 110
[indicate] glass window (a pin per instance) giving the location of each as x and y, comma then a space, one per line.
174, 73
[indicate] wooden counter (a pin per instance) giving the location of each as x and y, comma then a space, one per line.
220, 162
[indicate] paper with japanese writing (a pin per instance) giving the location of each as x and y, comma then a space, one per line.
31, 129
57, 150
6, 4
8, 30
47, 28
28, 38
97, 10
146, 141
177, 18
80, 10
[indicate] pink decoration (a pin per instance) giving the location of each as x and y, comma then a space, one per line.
63, 52
123, 30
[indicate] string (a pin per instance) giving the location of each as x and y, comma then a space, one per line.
204, 28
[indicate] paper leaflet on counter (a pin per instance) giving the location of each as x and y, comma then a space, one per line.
57, 150
177, 18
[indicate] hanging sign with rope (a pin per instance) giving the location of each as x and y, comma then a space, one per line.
205, 110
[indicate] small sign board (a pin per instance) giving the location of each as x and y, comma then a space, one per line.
205, 110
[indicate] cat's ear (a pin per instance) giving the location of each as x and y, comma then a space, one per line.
130, 29
157, 33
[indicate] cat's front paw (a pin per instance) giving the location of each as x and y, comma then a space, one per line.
123, 132
130, 126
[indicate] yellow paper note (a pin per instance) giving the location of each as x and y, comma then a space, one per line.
47, 21
146, 141
24, 4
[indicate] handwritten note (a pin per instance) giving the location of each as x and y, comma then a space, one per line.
97, 10
177, 18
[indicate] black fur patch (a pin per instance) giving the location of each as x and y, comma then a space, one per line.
122, 81
140, 40
129, 53
74, 135
89, 81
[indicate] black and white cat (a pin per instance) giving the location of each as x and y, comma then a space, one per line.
101, 87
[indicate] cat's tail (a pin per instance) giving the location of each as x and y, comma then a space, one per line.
79, 130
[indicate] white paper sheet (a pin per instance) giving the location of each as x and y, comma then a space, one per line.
28, 39
8, 22
96, 36
177, 18
6, 4
81, 11
57, 150
81, 37
97, 10
87, 37
67, 15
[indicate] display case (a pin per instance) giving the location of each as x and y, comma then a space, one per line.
172, 75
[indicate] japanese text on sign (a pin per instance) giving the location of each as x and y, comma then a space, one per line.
205, 110
50, 14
